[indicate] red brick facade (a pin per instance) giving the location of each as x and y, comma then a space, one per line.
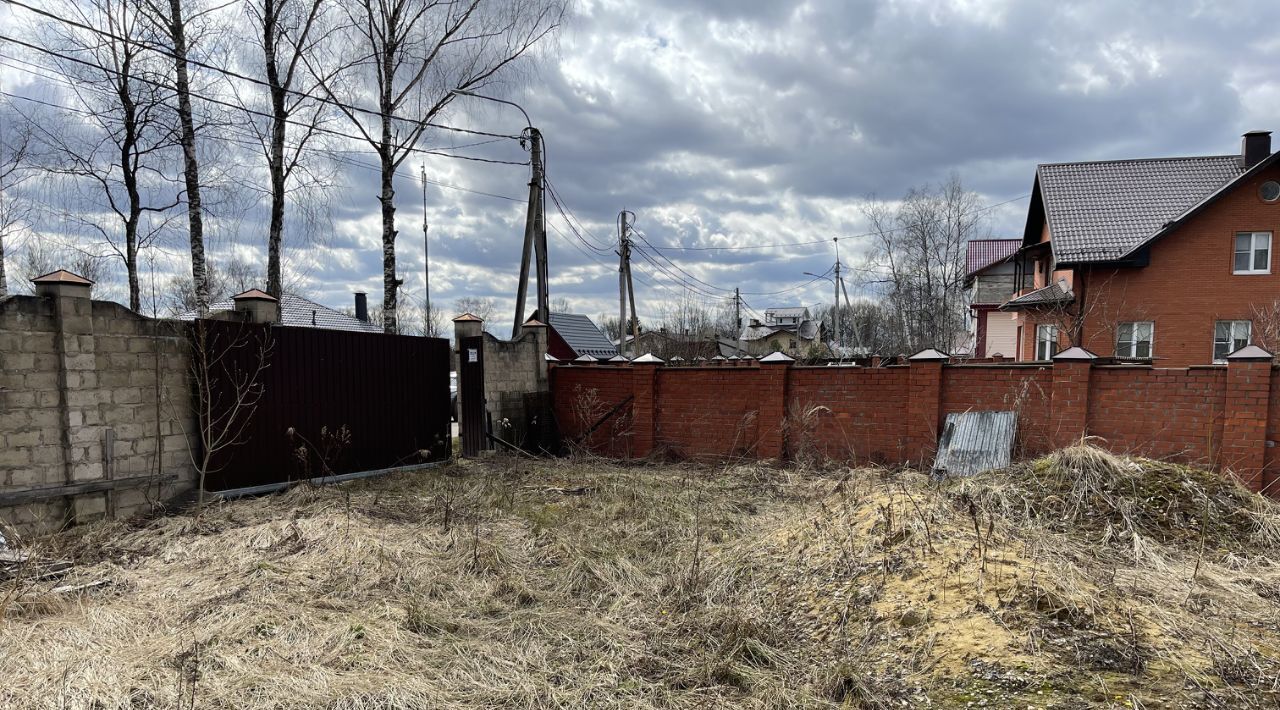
1187, 285
1223, 416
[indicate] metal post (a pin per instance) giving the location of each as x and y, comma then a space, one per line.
426, 258
622, 283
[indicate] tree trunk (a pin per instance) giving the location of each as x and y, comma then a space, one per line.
129, 171
389, 281
275, 161
191, 168
4, 279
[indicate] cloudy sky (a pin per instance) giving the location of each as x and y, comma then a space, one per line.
737, 123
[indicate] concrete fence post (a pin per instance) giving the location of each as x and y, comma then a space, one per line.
924, 402
644, 404
1069, 407
1244, 431
773, 405
79, 420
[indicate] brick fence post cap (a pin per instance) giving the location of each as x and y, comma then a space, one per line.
929, 355
1076, 353
584, 358
619, 358
1250, 353
776, 358
648, 359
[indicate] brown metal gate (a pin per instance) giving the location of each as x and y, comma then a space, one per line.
471, 375
330, 402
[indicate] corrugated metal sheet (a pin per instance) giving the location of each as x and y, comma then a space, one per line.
581, 334
973, 442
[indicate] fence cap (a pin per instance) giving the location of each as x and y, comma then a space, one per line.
550, 358
534, 323
584, 358
1250, 353
929, 355
62, 276
649, 358
619, 358
468, 318
720, 357
677, 358
777, 357
1075, 353
253, 294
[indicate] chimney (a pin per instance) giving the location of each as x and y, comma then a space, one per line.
1255, 147
362, 307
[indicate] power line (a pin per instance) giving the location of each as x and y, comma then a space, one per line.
228, 104
243, 77
779, 245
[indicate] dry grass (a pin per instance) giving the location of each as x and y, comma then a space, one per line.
1079, 580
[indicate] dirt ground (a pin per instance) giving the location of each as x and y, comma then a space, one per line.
1080, 580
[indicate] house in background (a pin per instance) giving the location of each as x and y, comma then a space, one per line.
667, 344
991, 278
571, 336
789, 330
1165, 258
297, 311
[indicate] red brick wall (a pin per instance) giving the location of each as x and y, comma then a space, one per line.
708, 412
582, 396
865, 420
1174, 414
1217, 416
1019, 388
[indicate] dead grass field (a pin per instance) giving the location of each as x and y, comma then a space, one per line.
1080, 580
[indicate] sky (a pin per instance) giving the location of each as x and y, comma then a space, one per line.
737, 123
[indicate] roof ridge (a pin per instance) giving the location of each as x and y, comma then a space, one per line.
1137, 160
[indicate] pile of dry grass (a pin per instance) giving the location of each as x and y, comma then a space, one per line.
1079, 580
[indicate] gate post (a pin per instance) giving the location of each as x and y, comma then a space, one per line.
468, 335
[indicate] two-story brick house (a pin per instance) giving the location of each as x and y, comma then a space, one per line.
1167, 258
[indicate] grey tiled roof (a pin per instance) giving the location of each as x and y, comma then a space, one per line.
1053, 293
300, 312
1103, 210
582, 335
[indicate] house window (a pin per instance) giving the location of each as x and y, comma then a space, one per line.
1046, 342
1134, 339
1228, 337
1253, 253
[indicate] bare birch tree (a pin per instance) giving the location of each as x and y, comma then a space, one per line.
174, 21
409, 56
286, 33
116, 145
919, 248
15, 155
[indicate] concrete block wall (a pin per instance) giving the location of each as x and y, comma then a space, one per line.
89, 393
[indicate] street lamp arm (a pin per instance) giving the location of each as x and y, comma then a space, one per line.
527, 121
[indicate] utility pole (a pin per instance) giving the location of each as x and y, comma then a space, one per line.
426, 258
535, 236
626, 291
835, 315
737, 321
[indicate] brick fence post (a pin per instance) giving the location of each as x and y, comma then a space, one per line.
924, 401
773, 405
644, 393
1069, 406
1244, 433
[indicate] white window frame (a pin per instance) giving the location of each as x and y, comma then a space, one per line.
1258, 241
1131, 346
1051, 341
1231, 338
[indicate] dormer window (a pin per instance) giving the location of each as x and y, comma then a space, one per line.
1253, 253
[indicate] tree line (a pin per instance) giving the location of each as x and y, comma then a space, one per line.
165, 101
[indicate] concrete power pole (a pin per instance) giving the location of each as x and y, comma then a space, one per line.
626, 291
737, 321
835, 315
535, 236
